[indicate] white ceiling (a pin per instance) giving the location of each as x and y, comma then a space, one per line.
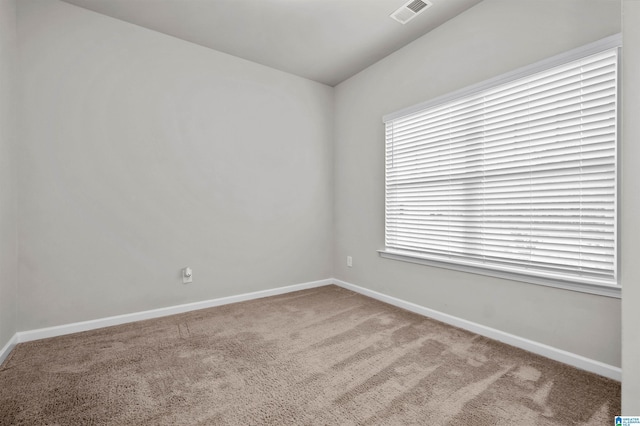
323, 40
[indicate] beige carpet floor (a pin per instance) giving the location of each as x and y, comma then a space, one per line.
325, 356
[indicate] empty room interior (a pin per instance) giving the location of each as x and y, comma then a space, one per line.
239, 212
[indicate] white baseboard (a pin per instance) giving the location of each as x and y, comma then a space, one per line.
556, 354
547, 351
42, 333
4, 352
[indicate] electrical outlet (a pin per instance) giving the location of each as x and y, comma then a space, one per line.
187, 275
349, 261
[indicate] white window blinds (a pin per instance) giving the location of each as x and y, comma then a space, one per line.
520, 177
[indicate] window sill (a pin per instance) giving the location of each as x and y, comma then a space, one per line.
598, 289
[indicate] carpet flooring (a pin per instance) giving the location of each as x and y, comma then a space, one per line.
324, 356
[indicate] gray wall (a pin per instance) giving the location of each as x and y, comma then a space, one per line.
492, 38
141, 154
8, 187
631, 206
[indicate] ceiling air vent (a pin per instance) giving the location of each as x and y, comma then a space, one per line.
410, 10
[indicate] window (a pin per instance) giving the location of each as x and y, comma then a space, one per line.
516, 175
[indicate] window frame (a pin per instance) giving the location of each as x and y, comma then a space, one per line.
613, 290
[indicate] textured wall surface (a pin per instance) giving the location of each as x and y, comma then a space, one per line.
631, 205
8, 187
